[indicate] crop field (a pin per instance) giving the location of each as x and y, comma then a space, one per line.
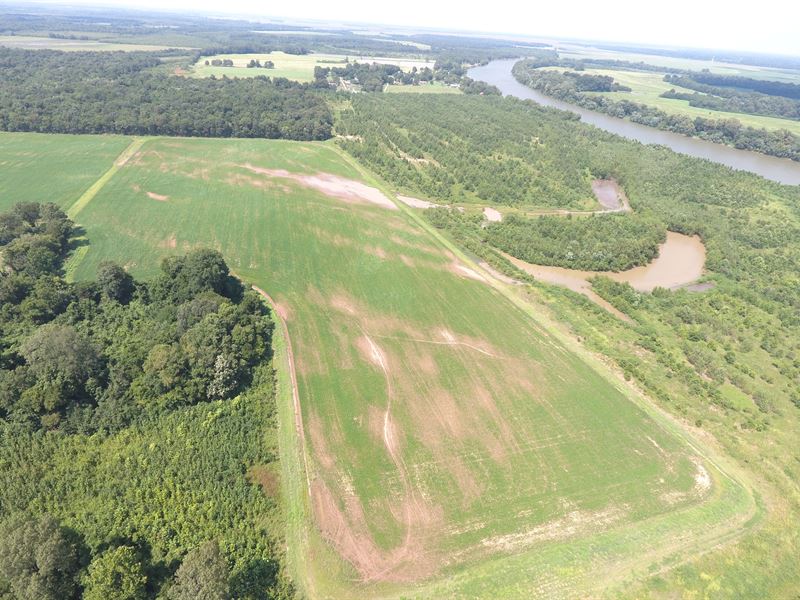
293, 66
53, 168
48, 43
449, 442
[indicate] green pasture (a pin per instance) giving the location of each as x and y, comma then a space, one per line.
293, 66
519, 466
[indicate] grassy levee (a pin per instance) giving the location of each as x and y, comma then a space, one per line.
460, 444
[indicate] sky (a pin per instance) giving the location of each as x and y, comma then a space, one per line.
771, 26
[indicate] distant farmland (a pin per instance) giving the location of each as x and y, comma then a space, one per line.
293, 66
69, 45
456, 445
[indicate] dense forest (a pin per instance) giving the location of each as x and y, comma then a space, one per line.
592, 83
114, 92
530, 155
451, 152
613, 242
781, 143
163, 387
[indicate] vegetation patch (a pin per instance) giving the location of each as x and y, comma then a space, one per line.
594, 243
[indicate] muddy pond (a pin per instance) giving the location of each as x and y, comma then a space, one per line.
680, 262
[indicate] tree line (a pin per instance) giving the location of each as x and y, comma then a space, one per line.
717, 97
762, 86
115, 92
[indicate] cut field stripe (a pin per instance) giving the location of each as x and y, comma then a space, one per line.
87, 196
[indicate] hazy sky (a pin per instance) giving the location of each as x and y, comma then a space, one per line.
767, 25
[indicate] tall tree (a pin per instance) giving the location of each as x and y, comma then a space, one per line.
115, 283
38, 559
203, 575
116, 574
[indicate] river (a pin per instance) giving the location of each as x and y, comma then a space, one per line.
782, 170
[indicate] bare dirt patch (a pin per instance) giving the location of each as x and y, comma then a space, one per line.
283, 310
376, 251
571, 524
497, 274
702, 480
343, 303
406, 260
610, 195
266, 477
341, 188
464, 271
159, 197
170, 242
492, 215
416, 202
240, 179
346, 529
372, 353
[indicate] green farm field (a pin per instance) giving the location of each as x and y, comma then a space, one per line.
53, 168
293, 66
453, 441
647, 88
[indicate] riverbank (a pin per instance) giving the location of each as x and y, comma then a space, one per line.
785, 171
